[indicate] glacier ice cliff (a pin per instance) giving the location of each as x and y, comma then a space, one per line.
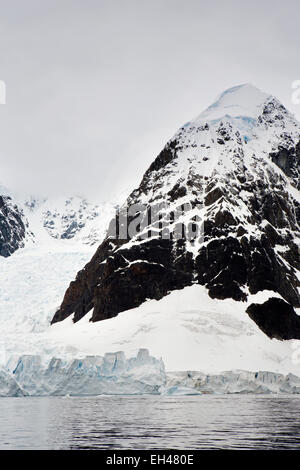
92, 375
8, 386
236, 381
114, 374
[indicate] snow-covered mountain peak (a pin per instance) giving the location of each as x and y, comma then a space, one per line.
249, 111
237, 168
242, 125
240, 101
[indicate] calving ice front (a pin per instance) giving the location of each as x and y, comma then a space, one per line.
221, 310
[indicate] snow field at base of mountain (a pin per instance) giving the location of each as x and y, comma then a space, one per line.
188, 329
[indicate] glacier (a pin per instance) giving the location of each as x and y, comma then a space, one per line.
232, 382
32, 375
114, 374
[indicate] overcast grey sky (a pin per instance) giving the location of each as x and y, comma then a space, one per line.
95, 88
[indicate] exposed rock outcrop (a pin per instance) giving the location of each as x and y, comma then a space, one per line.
13, 227
276, 318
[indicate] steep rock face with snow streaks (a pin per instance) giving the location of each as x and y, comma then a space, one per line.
13, 227
237, 167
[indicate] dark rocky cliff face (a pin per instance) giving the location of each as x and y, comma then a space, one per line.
245, 190
276, 318
13, 227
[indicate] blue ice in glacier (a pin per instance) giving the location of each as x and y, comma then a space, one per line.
114, 374
92, 375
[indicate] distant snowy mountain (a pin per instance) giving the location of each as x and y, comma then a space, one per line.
237, 166
75, 218
27, 220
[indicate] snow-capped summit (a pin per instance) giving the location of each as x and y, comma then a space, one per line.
237, 165
240, 101
251, 112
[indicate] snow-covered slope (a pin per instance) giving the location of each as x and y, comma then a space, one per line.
242, 101
188, 329
31, 282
